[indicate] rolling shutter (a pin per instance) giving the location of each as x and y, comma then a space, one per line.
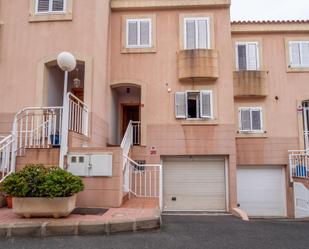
256, 119
242, 57
181, 105
145, 33
245, 119
58, 5
305, 53
202, 34
252, 57
206, 104
295, 54
132, 33
190, 34
43, 5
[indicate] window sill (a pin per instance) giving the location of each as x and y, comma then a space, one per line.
199, 122
50, 17
126, 50
262, 134
297, 69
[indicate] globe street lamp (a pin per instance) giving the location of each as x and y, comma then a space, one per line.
67, 62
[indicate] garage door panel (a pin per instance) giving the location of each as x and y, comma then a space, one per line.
261, 190
195, 203
197, 183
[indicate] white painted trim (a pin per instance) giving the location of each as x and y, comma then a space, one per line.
240, 109
227, 189
247, 43
195, 19
161, 187
50, 11
301, 65
138, 20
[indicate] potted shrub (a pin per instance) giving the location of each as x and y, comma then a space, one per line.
42, 192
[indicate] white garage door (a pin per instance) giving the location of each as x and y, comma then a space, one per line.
194, 184
261, 190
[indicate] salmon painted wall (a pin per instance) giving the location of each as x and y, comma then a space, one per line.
24, 44
155, 70
281, 118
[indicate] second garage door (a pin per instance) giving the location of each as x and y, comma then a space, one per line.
261, 190
194, 184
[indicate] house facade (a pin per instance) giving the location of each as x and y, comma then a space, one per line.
168, 100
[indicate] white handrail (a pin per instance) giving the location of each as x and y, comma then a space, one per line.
7, 156
144, 179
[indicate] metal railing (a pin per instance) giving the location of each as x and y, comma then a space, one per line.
78, 115
145, 180
299, 164
37, 127
136, 129
7, 157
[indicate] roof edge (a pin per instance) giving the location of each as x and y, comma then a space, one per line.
269, 26
164, 4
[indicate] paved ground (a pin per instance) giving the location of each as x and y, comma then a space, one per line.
188, 233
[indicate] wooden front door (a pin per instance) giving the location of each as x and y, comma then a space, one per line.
129, 112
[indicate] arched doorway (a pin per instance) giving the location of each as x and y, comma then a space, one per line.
54, 78
126, 107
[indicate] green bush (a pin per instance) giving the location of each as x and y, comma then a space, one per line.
38, 181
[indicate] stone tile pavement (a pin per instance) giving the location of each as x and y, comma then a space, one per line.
135, 214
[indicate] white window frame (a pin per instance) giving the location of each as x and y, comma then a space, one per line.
301, 65
251, 109
50, 8
138, 20
247, 43
199, 105
196, 19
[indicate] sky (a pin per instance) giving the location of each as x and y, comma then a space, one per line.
269, 10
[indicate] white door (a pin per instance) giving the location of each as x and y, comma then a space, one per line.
194, 184
261, 190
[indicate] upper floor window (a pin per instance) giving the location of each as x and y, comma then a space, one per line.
250, 119
299, 54
50, 6
196, 33
194, 104
138, 33
247, 56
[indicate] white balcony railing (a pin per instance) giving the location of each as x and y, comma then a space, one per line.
299, 164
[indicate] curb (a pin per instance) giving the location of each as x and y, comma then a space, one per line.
77, 228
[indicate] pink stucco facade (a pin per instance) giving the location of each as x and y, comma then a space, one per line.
95, 35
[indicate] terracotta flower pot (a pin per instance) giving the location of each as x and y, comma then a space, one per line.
9, 201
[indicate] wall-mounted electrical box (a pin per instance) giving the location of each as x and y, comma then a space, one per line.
91, 164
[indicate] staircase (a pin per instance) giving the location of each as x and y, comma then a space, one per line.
39, 134
139, 180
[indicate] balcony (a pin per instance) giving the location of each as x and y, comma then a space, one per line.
250, 84
198, 64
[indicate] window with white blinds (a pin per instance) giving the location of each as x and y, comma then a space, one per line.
247, 56
196, 33
50, 6
138, 33
194, 105
299, 54
250, 119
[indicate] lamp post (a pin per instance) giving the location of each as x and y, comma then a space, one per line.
67, 62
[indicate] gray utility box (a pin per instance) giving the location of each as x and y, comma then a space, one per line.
91, 164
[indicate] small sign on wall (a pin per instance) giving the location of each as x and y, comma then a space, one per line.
153, 150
